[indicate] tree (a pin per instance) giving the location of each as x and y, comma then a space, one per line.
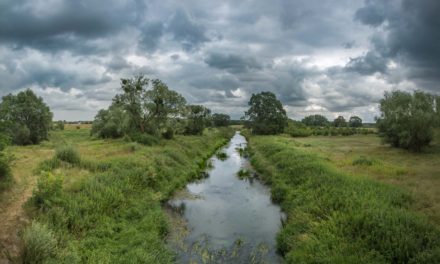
149, 104
220, 120
407, 120
340, 122
266, 114
111, 123
315, 120
198, 118
355, 121
27, 118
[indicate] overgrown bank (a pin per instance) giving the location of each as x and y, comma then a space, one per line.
114, 214
335, 218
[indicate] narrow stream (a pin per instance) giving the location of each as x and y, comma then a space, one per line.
227, 219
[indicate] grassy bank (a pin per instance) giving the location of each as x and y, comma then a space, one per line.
99, 201
333, 217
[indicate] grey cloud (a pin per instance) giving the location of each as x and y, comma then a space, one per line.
232, 62
368, 64
186, 30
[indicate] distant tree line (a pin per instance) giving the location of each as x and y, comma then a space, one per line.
148, 108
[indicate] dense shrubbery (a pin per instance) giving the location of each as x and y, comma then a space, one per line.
25, 118
335, 218
220, 120
407, 120
5, 170
68, 154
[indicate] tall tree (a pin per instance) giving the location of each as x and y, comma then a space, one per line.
407, 120
198, 117
266, 114
150, 104
340, 122
355, 121
219, 120
27, 118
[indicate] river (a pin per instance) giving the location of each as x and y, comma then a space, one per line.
227, 219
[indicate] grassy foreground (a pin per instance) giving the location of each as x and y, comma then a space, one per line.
333, 217
99, 201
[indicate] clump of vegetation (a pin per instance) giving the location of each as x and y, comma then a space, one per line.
315, 121
243, 173
48, 191
220, 120
407, 120
363, 161
145, 139
58, 125
221, 155
133, 146
346, 218
25, 118
266, 115
39, 244
68, 154
197, 119
5, 170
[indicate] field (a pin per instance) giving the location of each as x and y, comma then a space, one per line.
98, 201
351, 200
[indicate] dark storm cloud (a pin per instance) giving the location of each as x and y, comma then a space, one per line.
232, 62
368, 64
411, 35
55, 25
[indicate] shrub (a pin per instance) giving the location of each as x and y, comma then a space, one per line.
243, 173
49, 190
39, 244
5, 172
145, 139
301, 132
168, 134
68, 154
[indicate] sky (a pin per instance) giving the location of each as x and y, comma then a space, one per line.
317, 56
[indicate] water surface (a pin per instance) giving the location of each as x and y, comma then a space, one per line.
229, 218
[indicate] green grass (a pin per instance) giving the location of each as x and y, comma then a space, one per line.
333, 217
112, 213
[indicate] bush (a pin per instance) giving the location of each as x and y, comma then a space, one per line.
5, 172
68, 154
407, 120
301, 132
363, 161
221, 155
49, 190
39, 244
145, 139
168, 134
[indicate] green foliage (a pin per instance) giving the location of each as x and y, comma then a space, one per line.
335, 218
68, 154
145, 139
5, 170
111, 123
198, 117
149, 106
355, 121
115, 215
407, 120
266, 114
58, 125
168, 134
340, 122
243, 173
25, 117
363, 161
39, 244
315, 120
220, 120
49, 190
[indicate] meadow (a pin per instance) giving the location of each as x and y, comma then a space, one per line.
351, 199
100, 201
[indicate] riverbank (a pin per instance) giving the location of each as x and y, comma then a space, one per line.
333, 217
100, 200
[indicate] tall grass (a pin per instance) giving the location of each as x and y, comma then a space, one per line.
335, 218
115, 215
